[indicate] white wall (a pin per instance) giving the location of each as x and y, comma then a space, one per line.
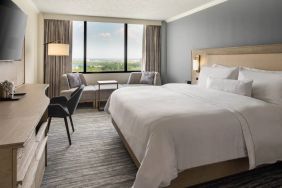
31, 39
40, 58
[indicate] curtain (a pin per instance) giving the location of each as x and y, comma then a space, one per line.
55, 67
152, 49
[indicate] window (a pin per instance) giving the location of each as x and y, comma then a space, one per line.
106, 47
77, 47
135, 40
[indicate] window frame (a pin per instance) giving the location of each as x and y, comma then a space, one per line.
125, 52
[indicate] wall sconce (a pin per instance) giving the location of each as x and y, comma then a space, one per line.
196, 63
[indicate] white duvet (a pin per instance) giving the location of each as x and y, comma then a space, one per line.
175, 127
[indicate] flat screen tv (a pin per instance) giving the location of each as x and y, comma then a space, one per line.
12, 30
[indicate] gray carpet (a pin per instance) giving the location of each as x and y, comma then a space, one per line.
97, 158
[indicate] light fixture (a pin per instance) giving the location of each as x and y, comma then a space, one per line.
196, 63
56, 49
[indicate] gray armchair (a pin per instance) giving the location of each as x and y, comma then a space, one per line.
135, 77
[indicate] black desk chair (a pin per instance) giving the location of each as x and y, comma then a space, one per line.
61, 107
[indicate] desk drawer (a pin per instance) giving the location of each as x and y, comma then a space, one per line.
22, 152
35, 172
40, 157
25, 156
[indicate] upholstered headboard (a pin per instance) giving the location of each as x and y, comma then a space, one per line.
266, 57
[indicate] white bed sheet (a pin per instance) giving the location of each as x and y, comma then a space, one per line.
175, 127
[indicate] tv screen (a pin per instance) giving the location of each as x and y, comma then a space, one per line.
12, 30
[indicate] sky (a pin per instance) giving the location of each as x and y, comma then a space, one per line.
106, 40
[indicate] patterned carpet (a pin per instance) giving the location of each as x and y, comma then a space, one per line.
98, 158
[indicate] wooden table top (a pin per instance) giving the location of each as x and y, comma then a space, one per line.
18, 119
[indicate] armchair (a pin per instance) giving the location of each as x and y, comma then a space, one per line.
135, 77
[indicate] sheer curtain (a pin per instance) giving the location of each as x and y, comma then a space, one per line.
55, 67
152, 49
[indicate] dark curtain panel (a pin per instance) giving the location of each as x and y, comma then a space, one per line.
152, 48
55, 67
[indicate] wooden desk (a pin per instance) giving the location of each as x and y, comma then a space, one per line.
23, 138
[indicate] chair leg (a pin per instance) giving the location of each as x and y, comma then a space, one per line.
48, 125
67, 128
71, 123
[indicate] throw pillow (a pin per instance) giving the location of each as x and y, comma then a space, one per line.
74, 80
147, 78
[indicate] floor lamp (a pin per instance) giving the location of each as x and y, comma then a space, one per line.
56, 49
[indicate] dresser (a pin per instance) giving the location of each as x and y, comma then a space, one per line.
23, 138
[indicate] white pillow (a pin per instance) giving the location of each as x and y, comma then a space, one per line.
260, 70
267, 85
243, 87
235, 70
215, 72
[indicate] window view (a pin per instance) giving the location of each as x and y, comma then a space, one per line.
135, 40
105, 47
78, 47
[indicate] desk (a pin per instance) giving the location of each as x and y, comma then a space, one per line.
23, 138
110, 85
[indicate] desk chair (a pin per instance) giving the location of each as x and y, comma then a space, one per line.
61, 107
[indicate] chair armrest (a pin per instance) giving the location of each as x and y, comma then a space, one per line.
57, 110
157, 79
134, 78
82, 79
62, 100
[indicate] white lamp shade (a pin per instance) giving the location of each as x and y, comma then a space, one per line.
196, 65
55, 49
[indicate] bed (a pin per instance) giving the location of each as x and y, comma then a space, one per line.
181, 135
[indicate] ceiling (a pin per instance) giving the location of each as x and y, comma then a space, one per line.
137, 9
